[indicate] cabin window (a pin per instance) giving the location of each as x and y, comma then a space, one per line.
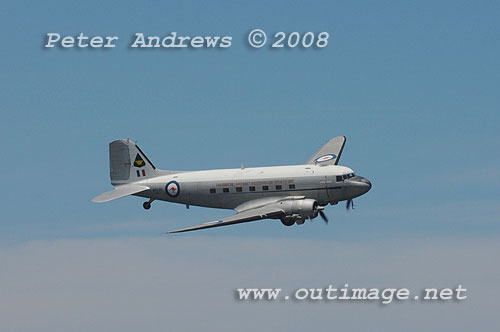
226, 190
252, 188
265, 187
212, 191
239, 189
339, 178
291, 186
345, 177
278, 187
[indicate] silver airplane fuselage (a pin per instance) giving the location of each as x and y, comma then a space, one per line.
232, 188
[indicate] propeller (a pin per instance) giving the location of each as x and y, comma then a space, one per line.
323, 216
319, 210
350, 204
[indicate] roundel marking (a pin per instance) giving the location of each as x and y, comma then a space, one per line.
173, 188
324, 158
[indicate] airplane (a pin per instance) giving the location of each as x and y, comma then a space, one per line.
292, 194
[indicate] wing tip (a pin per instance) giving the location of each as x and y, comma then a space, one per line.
98, 200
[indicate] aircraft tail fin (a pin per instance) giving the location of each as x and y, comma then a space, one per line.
127, 163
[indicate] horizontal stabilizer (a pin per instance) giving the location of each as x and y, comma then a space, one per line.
119, 192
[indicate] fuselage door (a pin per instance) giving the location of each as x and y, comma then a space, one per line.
326, 183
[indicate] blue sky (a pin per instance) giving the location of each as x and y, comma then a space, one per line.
413, 86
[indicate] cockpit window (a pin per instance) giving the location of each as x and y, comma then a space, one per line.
340, 178
348, 176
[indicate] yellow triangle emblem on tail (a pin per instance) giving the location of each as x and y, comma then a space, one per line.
139, 162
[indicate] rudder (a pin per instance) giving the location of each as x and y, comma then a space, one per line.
127, 163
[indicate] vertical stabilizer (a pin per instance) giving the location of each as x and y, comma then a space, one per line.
127, 163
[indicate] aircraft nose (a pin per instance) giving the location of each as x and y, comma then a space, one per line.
366, 181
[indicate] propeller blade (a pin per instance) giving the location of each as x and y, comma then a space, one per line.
323, 216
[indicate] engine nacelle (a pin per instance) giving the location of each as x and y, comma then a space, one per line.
300, 208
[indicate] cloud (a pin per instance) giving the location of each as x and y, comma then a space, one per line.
188, 283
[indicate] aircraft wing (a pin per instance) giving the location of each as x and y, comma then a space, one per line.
264, 212
119, 192
329, 154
